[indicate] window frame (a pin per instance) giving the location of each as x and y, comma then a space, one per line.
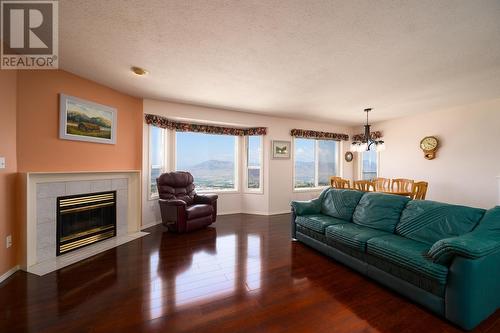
246, 189
237, 164
360, 164
317, 187
164, 166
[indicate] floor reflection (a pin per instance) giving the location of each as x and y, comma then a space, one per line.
212, 267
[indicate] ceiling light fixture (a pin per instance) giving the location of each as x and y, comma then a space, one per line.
139, 71
367, 142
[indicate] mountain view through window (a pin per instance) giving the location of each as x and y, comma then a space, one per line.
211, 159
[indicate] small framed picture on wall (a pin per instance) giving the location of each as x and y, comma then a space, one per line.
83, 120
281, 149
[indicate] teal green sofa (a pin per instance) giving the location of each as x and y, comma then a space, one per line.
444, 257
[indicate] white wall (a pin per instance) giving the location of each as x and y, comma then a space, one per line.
278, 182
467, 163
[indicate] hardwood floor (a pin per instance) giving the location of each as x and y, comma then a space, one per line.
242, 275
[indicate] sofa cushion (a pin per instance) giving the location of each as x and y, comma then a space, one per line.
353, 235
317, 222
408, 260
429, 221
200, 210
379, 211
340, 203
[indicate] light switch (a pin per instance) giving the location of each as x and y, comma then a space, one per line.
2, 162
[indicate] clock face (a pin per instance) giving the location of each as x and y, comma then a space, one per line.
429, 143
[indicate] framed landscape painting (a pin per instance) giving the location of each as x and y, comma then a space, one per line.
82, 120
281, 149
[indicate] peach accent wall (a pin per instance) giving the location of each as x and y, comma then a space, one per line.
29, 130
8, 82
39, 146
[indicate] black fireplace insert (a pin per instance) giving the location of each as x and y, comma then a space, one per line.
85, 219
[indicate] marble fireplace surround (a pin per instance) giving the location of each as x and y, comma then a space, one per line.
42, 189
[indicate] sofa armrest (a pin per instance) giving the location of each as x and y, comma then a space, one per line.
472, 290
306, 207
472, 245
205, 198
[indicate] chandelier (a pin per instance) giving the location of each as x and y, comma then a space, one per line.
366, 143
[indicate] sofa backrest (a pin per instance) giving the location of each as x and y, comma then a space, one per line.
429, 221
490, 222
340, 203
379, 211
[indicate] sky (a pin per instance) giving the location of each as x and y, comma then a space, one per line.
304, 150
194, 148
88, 110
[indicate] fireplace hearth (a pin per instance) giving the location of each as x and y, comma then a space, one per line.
85, 219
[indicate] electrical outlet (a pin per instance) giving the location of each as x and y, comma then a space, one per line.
8, 241
2, 162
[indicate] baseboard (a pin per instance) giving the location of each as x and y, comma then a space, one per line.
280, 212
149, 225
228, 213
7, 274
258, 213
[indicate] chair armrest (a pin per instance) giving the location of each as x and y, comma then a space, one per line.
205, 198
472, 245
306, 207
172, 202
173, 214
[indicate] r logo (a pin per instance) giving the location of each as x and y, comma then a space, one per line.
29, 28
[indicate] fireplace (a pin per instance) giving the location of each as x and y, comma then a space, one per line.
85, 219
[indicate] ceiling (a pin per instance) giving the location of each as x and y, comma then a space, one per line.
310, 59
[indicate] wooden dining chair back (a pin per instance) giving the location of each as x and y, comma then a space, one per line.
342, 183
363, 185
402, 185
419, 190
333, 179
381, 184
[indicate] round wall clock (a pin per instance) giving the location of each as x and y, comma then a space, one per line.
429, 145
349, 156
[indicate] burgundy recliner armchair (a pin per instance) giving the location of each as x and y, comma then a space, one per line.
183, 210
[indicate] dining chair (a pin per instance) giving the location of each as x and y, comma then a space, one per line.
363, 185
419, 190
342, 183
333, 179
402, 185
381, 184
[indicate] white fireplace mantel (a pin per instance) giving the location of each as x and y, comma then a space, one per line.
40, 191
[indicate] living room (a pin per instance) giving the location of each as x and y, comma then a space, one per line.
265, 105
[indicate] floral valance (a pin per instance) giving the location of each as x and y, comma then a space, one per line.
374, 135
300, 133
163, 122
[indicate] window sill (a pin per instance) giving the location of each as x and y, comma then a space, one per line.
309, 189
218, 191
249, 191
153, 198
